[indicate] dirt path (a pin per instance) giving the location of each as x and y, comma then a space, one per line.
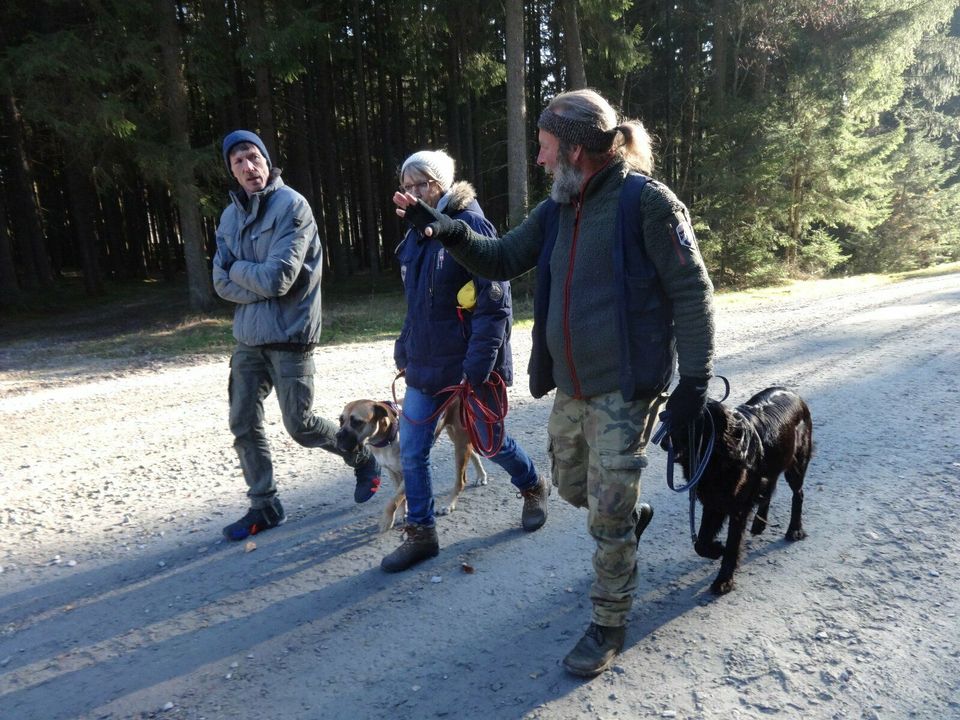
118, 599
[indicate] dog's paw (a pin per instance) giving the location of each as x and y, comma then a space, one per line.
721, 587
758, 526
447, 509
798, 534
385, 524
712, 550
481, 481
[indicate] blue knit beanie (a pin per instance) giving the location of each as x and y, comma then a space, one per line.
241, 136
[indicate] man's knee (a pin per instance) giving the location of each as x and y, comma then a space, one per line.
245, 427
573, 493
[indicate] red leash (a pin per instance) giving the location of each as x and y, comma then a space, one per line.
473, 411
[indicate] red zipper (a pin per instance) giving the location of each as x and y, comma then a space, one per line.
568, 339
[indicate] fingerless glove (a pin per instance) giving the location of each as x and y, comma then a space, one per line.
442, 227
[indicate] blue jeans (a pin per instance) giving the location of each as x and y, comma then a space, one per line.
254, 372
416, 441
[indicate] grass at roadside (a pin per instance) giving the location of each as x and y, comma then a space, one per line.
153, 319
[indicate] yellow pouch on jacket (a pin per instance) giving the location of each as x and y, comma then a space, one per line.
467, 296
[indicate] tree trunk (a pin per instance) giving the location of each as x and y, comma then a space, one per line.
719, 57
257, 32
389, 155
24, 213
516, 115
297, 151
138, 231
368, 228
81, 196
534, 53
162, 222
668, 152
325, 117
689, 105
796, 201
9, 288
112, 230
199, 282
222, 27
576, 73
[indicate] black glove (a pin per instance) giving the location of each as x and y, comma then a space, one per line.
227, 258
476, 381
442, 227
687, 402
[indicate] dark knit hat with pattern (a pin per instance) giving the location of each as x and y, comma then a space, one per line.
577, 132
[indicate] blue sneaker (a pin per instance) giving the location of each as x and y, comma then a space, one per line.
368, 480
256, 520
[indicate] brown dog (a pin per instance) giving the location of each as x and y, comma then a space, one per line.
377, 425
770, 434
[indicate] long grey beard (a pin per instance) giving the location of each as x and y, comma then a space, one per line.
567, 181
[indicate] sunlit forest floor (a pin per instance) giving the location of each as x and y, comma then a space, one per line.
152, 321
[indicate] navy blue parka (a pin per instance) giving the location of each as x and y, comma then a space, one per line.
441, 344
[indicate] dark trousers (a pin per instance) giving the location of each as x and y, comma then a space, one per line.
254, 372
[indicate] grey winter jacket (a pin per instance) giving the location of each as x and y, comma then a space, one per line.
275, 277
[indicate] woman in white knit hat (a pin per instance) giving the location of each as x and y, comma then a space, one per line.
447, 340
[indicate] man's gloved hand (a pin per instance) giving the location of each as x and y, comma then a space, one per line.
227, 258
686, 403
431, 222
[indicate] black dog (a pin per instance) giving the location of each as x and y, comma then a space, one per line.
771, 433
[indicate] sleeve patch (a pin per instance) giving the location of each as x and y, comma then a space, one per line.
685, 234
496, 291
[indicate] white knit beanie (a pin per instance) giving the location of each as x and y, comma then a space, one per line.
435, 164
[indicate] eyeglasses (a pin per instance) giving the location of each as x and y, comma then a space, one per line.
420, 187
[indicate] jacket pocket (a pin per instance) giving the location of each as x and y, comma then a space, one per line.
262, 238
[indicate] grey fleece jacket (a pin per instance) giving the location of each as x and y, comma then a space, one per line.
582, 334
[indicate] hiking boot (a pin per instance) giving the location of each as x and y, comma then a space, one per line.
596, 650
368, 480
420, 544
256, 520
644, 515
534, 513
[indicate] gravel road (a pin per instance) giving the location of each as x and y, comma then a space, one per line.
118, 598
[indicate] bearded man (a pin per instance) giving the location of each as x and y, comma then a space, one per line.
622, 293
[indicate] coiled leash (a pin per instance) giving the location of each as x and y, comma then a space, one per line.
701, 444
473, 411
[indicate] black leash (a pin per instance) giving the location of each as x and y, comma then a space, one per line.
701, 445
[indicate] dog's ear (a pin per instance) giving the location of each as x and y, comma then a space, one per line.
380, 411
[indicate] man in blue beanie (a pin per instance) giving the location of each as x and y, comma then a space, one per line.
269, 262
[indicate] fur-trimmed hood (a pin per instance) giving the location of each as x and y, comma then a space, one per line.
461, 196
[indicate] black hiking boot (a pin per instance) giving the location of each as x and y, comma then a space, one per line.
596, 650
534, 513
644, 515
256, 520
420, 544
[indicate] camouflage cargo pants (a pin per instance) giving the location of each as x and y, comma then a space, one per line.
597, 452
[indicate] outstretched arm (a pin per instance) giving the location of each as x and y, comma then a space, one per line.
504, 258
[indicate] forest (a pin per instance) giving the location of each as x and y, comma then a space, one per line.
808, 137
